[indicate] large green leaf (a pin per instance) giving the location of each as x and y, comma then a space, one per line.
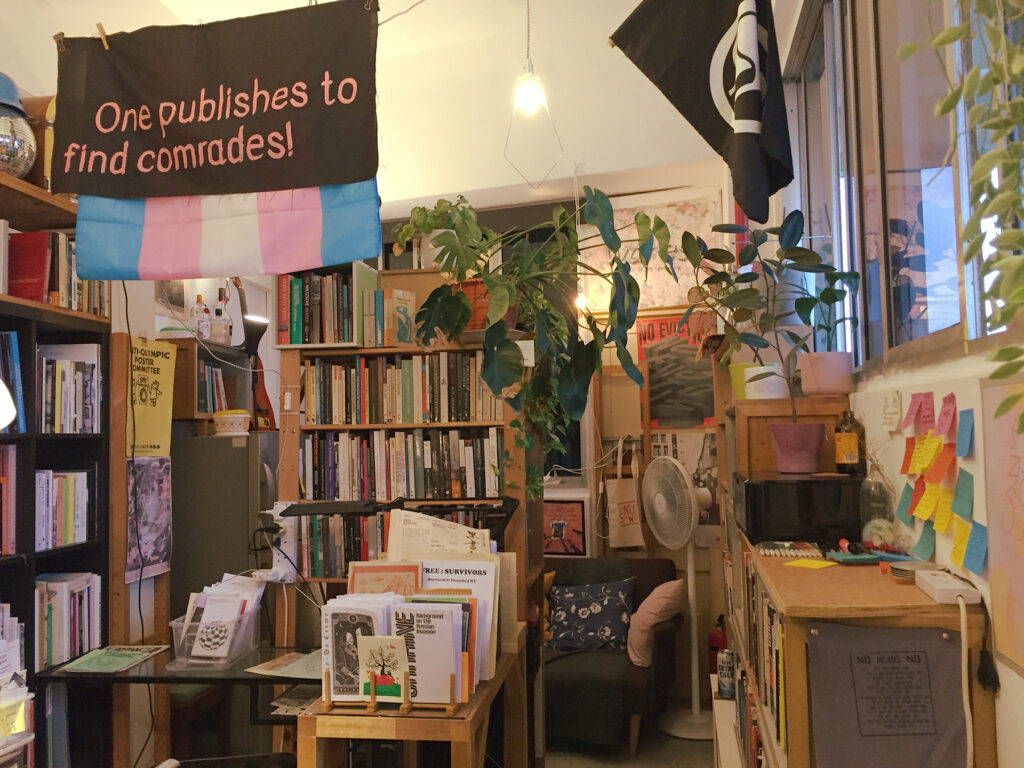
747, 254
598, 211
443, 311
503, 359
731, 229
574, 379
746, 298
804, 307
753, 340
644, 236
662, 235
626, 361
691, 249
803, 256
719, 256
792, 230
503, 295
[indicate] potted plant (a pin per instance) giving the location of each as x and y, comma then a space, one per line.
540, 279
828, 372
752, 309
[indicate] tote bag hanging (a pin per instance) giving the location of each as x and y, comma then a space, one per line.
623, 507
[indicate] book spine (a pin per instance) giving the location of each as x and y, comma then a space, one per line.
307, 292
315, 315
346, 308
295, 310
378, 317
283, 309
19, 387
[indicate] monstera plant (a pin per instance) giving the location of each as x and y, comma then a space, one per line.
540, 278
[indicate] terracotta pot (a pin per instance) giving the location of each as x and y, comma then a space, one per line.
797, 446
826, 373
476, 292
768, 388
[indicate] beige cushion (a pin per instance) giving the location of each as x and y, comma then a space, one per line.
664, 602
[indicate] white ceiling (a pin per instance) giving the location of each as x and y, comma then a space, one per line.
445, 72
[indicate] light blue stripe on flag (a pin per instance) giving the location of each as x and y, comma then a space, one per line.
351, 228
108, 237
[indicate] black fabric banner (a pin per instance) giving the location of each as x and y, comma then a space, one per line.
278, 101
717, 61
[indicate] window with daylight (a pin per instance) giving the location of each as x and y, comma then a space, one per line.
882, 187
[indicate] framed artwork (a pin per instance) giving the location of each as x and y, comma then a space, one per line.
566, 525
679, 383
170, 297
695, 210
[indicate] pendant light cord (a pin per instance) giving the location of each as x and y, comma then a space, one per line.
528, 62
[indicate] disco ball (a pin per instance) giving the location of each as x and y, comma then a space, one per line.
17, 143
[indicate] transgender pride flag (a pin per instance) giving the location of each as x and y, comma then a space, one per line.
269, 233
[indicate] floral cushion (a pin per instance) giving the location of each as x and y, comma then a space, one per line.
587, 616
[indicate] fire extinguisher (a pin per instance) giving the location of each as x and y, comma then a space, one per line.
717, 640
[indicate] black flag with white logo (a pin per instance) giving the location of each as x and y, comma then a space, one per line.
717, 61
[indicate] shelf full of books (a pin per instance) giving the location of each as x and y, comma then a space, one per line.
418, 464
443, 386
328, 306
426, 625
16, 701
69, 388
68, 616
63, 508
41, 267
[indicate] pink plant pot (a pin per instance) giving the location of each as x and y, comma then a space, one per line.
797, 446
826, 373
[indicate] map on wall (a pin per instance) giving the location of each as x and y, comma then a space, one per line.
1004, 494
694, 210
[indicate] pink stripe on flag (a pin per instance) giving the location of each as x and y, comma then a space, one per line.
291, 224
172, 237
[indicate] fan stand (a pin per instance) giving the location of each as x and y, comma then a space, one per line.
679, 722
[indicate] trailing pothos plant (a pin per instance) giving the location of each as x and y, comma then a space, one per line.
990, 35
753, 306
540, 278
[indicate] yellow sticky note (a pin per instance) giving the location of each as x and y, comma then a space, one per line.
917, 459
943, 510
928, 502
961, 533
804, 562
12, 718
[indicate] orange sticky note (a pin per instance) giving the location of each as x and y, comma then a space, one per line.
941, 465
961, 534
929, 501
908, 454
815, 565
943, 509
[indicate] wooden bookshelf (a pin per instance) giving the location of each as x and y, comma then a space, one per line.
29, 208
399, 426
8, 302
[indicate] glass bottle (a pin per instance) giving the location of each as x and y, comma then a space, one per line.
220, 329
849, 440
199, 318
876, 507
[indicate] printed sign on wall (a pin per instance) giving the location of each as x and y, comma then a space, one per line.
277, 101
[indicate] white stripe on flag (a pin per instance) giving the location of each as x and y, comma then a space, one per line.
231, 236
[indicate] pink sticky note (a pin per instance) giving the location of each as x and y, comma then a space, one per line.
926, 415
912, 409
947, 415
908, 454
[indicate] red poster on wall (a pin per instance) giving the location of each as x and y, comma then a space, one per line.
681, 392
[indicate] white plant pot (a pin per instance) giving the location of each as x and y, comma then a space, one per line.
768, 388
423, 251
826, 373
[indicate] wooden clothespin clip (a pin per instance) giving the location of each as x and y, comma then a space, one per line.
103, 35
59, 40
611, 43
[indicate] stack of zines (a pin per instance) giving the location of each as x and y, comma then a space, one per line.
15, 699
428, 614
219, 622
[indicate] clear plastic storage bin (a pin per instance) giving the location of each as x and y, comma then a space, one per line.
212, 644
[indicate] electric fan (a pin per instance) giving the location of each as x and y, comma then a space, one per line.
671, 506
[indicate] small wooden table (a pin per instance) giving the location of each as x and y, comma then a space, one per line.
322, 735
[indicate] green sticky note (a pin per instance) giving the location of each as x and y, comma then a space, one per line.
925, 546
963, 496
903, 508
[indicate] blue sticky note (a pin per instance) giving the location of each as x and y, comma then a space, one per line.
965, 433
925, 546
903, 508
963, 496
977, 549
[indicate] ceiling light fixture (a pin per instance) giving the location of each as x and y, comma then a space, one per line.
532, 145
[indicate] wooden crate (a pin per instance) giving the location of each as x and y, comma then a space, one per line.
754, 450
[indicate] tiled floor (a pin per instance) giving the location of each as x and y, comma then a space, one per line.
657, 750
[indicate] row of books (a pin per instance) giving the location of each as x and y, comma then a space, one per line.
422, 464
10, 374
41, 266
62, 509
69, 388
748, 725
67, 616
414, 389
325, 308
8, 495
211, 395
16, 711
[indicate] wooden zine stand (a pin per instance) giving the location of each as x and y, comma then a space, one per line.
370, 707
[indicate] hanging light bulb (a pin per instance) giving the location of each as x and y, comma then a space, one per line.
7, 409
529, 93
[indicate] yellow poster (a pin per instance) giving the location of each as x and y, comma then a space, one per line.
152, 392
